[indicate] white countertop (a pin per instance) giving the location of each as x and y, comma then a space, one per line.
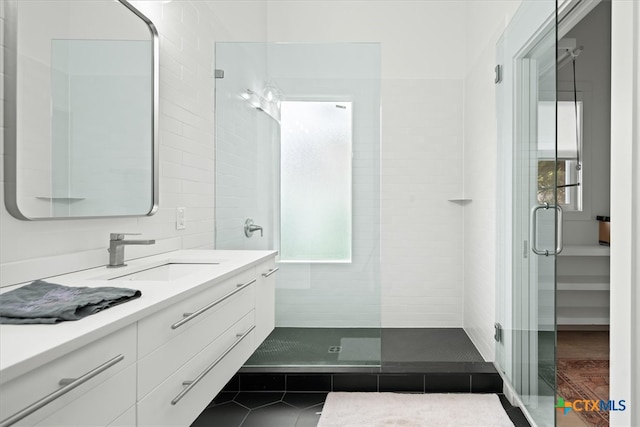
26, 347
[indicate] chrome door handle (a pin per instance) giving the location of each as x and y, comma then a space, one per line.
533, 230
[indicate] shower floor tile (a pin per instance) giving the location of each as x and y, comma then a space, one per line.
319, 346
397, 350
428, 345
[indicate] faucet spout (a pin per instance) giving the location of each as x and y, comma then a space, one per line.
117, 243
137, 242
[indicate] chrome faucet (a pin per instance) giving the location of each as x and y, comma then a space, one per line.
116, 247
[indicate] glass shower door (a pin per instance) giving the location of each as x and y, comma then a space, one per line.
527, 115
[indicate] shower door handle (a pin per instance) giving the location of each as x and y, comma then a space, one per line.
533, 230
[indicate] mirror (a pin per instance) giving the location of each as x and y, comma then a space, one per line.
81, 89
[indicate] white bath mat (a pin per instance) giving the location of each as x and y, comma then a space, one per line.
413, 410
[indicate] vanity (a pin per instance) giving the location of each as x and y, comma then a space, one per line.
158, 360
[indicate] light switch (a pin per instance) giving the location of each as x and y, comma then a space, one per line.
181, 220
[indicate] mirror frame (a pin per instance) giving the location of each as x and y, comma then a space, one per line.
10, 116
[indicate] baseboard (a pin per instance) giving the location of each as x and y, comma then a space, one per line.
513, 398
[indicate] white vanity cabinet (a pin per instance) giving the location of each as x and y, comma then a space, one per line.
179, 399
204, 339
170, 355
170, 338
191, 350
106, 370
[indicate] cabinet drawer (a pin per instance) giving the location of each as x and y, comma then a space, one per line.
94, 363
169, 405
100, 406
165, 360
159, 328
127, 419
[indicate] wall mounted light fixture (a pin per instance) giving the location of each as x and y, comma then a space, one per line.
269, 104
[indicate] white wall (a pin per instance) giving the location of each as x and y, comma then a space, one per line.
188, 30
485, 22
593, 74
422, 93
625, 208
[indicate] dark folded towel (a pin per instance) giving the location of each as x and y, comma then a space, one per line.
44, 302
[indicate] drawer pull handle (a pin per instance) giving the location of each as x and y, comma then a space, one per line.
190, 316
68, 385
270, 272
192, 383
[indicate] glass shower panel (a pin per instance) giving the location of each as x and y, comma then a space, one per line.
328, 300
247, 149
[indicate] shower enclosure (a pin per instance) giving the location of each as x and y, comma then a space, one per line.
298, 171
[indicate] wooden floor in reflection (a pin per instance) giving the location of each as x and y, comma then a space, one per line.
583, 373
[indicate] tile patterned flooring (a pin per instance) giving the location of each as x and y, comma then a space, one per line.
285, 409
276, 389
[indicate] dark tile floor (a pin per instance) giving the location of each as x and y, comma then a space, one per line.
280, 409
286, 381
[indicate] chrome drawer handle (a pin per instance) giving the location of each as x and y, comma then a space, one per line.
190, 316
270, 272
68, 385
192, 383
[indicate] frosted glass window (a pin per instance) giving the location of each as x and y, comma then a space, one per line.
315, 181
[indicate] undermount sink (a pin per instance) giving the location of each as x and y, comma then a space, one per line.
161, 273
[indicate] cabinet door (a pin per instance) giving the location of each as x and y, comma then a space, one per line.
265, 300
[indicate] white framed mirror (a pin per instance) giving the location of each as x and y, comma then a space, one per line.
81, 135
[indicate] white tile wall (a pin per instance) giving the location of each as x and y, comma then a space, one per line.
422, 72
188, 30
421, 230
